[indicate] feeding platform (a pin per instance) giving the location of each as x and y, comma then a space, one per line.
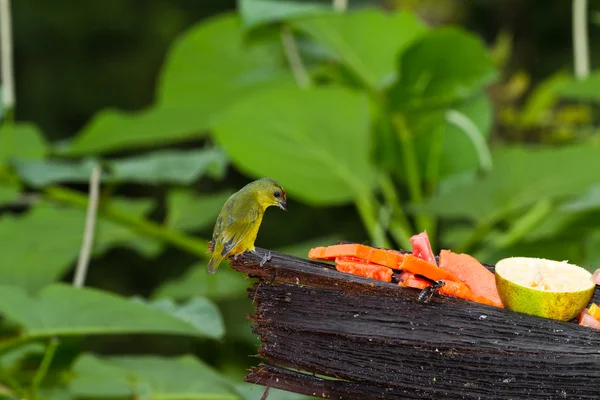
338, 336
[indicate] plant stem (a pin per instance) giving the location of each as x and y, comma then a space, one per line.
40, 374
466, 125
144, 227
8, 81
399, 228
90, 225
580, 39
523, 225
293, 57
365, 205
340, 5
432, 170
480, 230
411, 165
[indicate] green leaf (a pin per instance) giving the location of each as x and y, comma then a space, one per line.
592, 250
372, 56
251, 391
170, 166
443, 67
189, 211
162, 166
158, 378
260, 12
239, 328
521, 177
139, 206
45, 172
56, 236
200, 312
22, 141
62, 310
550, 249
212, 65
315, 142
113, 130
225, 284
580, 89
589, 201
8, 194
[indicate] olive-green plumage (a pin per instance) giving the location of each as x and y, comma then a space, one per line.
240, 218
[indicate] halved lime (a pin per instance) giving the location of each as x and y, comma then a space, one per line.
546, 288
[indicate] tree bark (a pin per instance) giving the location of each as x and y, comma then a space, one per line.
373, 340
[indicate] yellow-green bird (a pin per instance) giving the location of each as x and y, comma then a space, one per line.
240, 218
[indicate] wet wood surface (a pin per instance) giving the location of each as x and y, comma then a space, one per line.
339, 336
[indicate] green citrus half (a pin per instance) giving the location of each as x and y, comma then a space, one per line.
546, 288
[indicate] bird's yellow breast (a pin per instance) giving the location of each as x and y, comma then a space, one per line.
247, 243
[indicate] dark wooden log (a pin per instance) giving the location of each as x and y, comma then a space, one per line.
374, 340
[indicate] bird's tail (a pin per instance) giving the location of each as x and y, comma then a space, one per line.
213, 264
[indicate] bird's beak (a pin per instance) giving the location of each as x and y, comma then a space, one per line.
282, 205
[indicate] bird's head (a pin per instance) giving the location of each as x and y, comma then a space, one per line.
270, 193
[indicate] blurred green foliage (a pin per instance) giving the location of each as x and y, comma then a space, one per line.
375, 136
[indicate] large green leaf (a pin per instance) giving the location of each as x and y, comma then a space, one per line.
521, 176
162, 166
189, 211
22, 141
200, 312
444, 66
259, 12
315, 142
62, 310
367, 41
41, 245
170, 166
580, 89
113, 130
45, 172
211, 66
592, 250
152, 377
225, 284
588, 201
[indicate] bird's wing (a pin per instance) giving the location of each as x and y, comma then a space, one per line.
235, 227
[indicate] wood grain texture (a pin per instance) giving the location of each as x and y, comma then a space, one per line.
375, 341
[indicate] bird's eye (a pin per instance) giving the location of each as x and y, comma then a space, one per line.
277, 194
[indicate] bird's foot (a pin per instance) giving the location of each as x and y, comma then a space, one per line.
427, 293
267, 257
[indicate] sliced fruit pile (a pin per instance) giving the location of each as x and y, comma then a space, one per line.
463, 275
545, 288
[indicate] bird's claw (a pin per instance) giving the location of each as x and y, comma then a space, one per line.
267, 257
